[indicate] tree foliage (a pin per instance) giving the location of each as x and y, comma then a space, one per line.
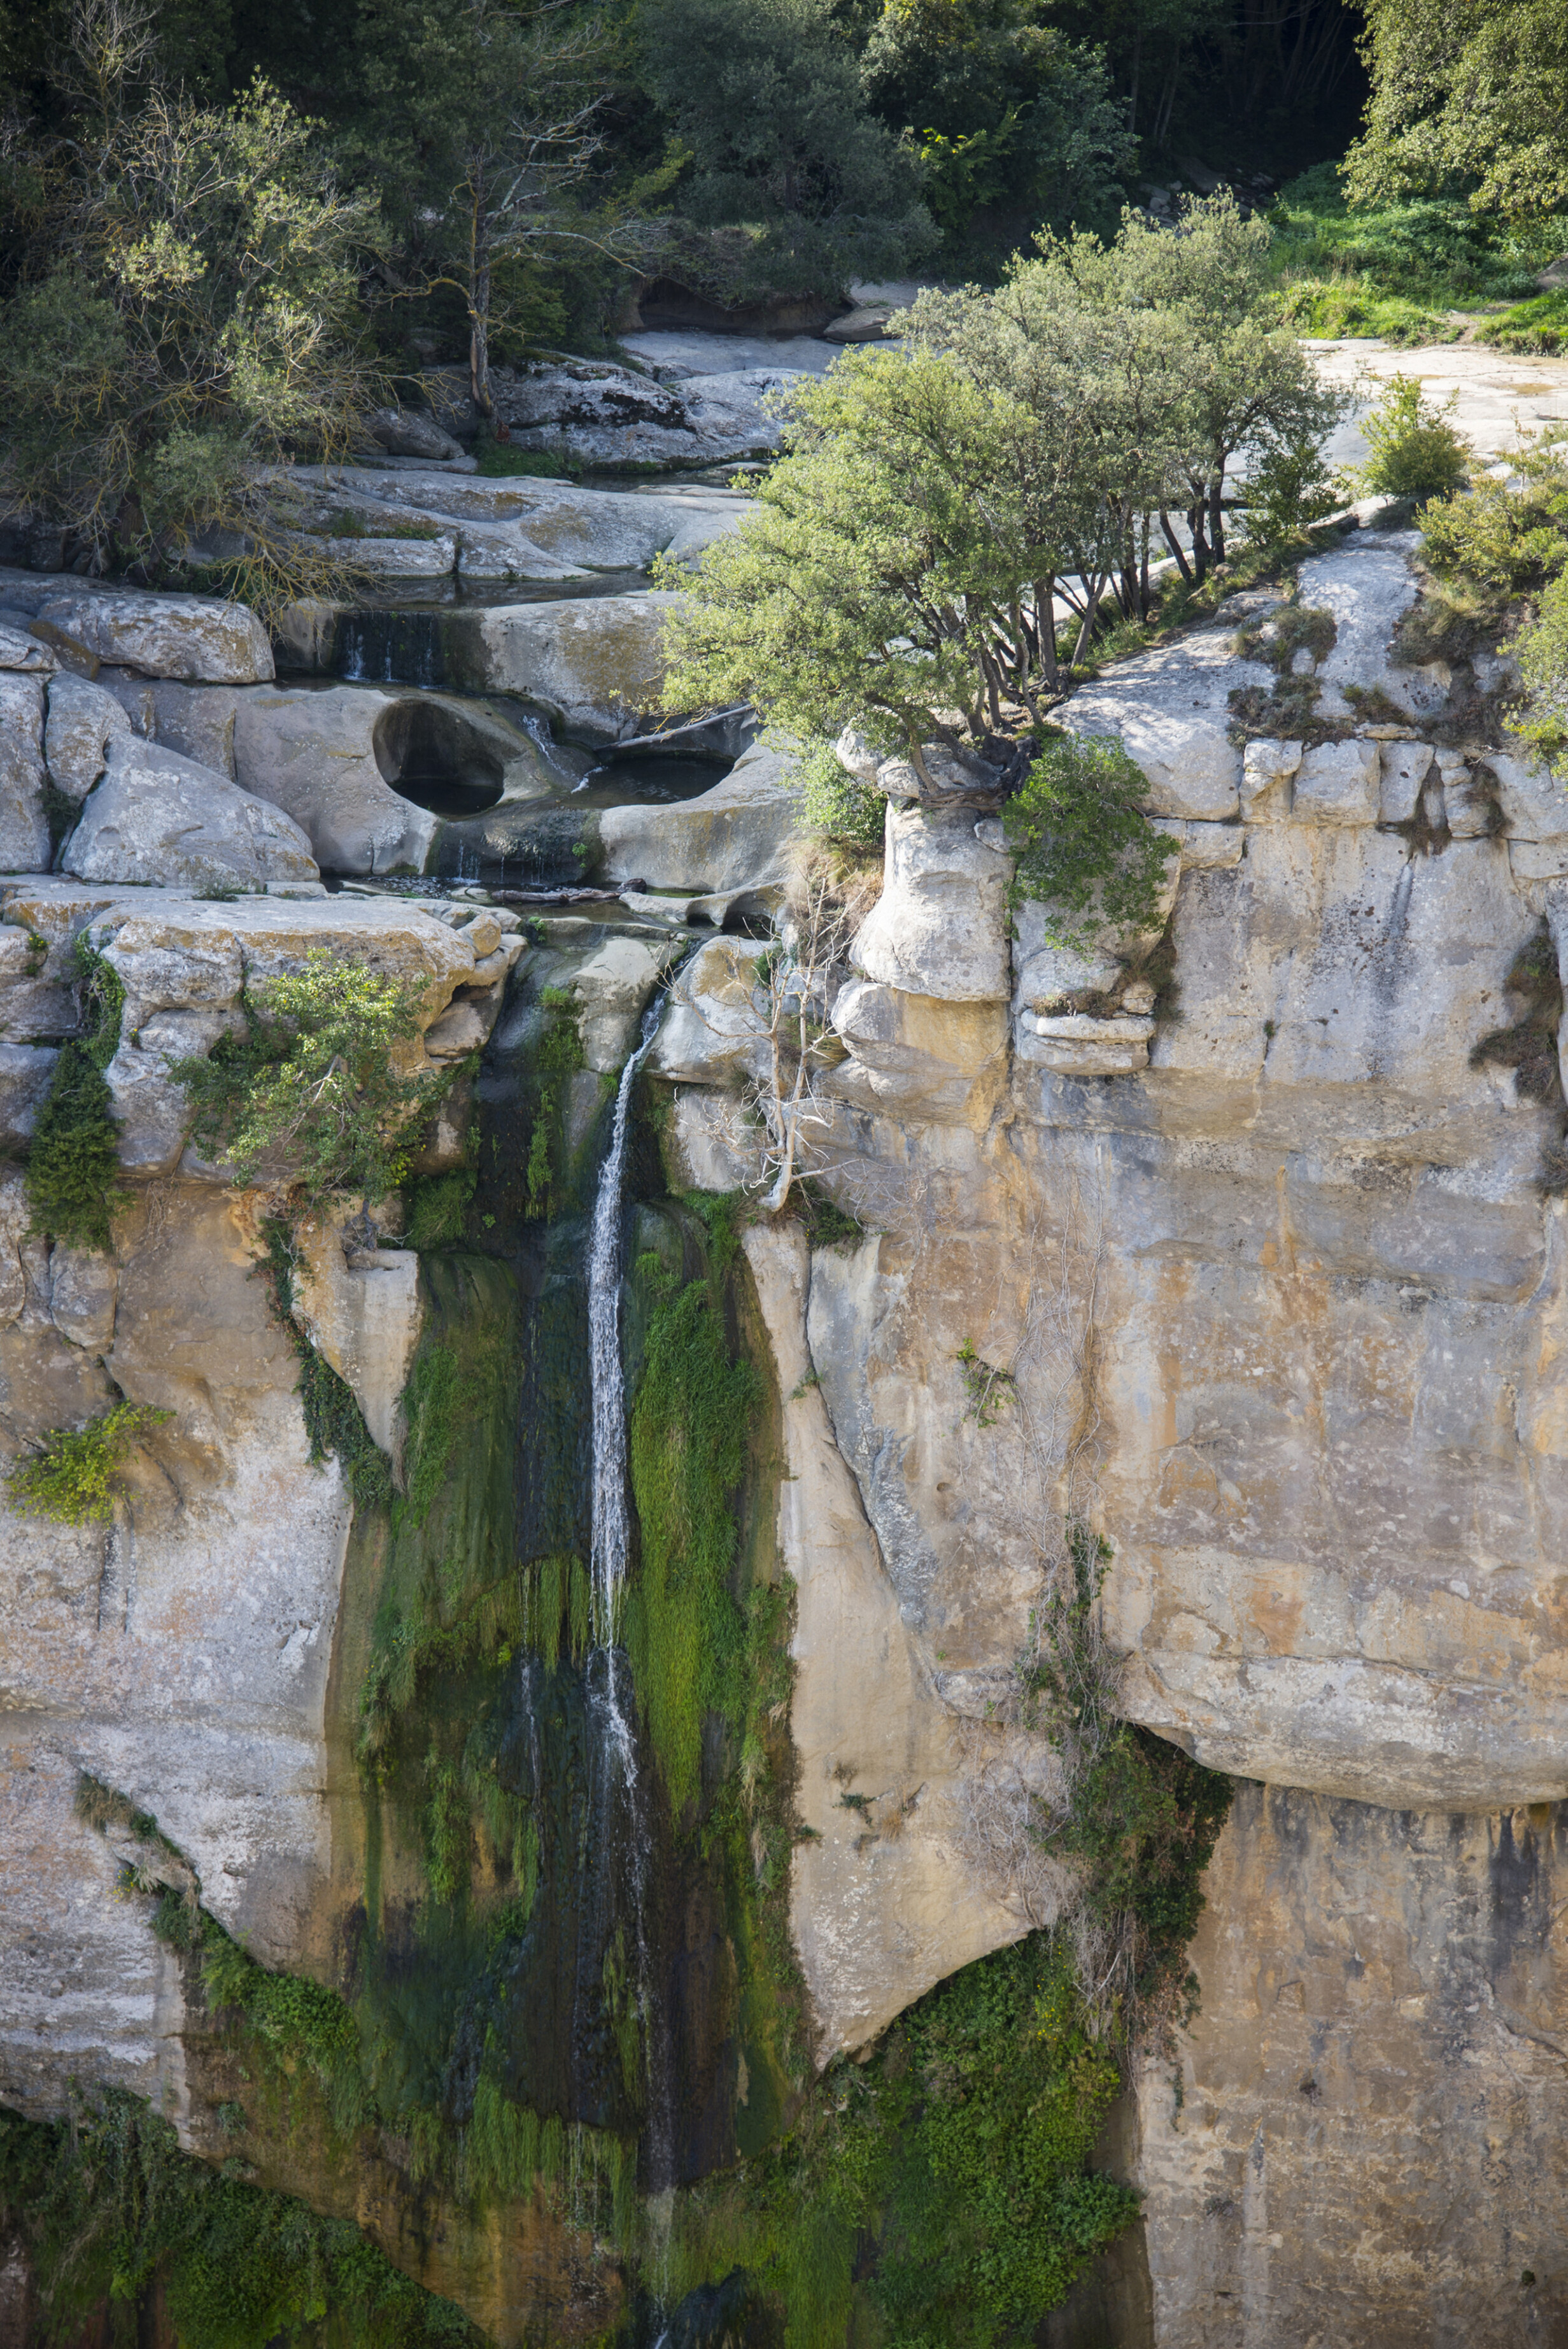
184, 302
901, 569
805, 187
1474, 99
1084, 846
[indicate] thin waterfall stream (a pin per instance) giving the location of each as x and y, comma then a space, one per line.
608, 1676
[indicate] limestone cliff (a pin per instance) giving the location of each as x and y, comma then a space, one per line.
1244, 1241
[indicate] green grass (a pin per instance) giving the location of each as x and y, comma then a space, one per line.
1398, 269
1540, 325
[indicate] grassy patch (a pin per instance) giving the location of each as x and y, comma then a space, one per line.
72, 1477
1394, 269
1540, 325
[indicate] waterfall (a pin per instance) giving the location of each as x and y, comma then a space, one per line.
611, 1521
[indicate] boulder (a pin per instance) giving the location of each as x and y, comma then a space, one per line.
81, 723
610, 987
313, 755
1075, 1044
26, 1072
1043, 974
733, 838
712, 1033
410, 433
24, 827
595, 662
159, 819
19, 650
1338, 783
939, 927
951, 778
194, 637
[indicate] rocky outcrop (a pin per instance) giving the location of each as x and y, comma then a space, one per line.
191, 637
157, 818
609, 416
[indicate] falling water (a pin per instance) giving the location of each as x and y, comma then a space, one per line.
611, 1525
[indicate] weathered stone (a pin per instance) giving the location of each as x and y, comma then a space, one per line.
735, 837
608, 415
1406, 767
1337, 783
877, 1916
1366, 2145
21, 651
931, 1057
1266, 769
713, 1031
24, 828
361, 1307
610, 987
158, 818
83, 1286
26, 1072
1470, 803
1366, 586
939, 927
1206, 847
1171, 707
410, 433
1534, 802
1081, 1047
1044, 974
189, 636
81, 723
596, 663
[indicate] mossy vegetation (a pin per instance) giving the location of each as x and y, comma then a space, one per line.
685, 1630
72, 1476
108, 2207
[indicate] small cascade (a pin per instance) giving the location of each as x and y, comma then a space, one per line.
611, 1517
377, 648
607, 1678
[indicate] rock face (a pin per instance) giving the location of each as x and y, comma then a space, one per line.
156, 817
611, 416
188, 636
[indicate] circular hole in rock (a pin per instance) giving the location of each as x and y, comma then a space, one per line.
432, 755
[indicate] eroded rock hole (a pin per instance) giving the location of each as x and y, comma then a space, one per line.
432, 755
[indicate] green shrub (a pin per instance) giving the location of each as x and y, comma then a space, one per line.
1416, 450
1543, 665
833, 803
73, 1477
73, 1160
310, 1093
1289, 488
1084, 846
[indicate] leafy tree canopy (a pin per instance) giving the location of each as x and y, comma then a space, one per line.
764, 98
1475, 97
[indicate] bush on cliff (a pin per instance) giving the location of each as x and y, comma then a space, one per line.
310, 1094
72, 1476
1084, 846
72, 1175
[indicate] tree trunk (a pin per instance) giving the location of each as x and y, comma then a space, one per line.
1196, 516
479, 295
1217, 516
1174, 543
